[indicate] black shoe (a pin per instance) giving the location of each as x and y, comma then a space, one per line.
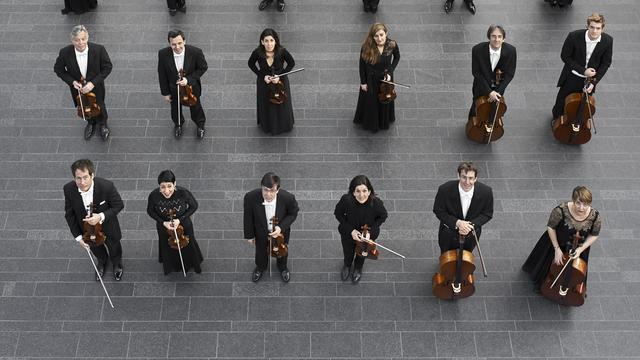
281, 5
357, 274
471, 6
200, 133
197, 269
117, 272
183, 9
285, 275
374, 9
172, 12
177, 131
263, 4
101, 267
448, 5
367, 6
104, 132
64, 11
257, 275
88, 131
344, 274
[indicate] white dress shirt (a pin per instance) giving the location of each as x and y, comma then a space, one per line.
270, 211
591, 44
87, 199
179, 60
494, 56
465, 199
82, 58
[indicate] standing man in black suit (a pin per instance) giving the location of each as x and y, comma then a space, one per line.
86, 190
448, 5
180, 56
260, 206
589, 53
486, 58
90, 61
462, 206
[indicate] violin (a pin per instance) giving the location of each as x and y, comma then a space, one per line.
488, 124
386, 91
366, 249
177, 238
278, 247
564, 284
574, 126
455, 279
93, 234
277, 92
87, 103
185, 93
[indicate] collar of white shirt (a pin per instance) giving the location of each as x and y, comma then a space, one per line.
588, 39
269, 203
88, 191
465, 194
82, 53
175, 54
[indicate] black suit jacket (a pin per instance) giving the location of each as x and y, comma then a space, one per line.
448, 208
255, 219
574, 56
98, 68
481, 68
195, 66
108, 201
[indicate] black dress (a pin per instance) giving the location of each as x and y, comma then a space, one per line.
539, 261
272, 118
352, 215
370, 113
185, 204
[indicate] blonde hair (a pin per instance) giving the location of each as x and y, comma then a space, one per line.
596, 17
582, 194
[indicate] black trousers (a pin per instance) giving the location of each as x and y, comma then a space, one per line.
109, 250
80, 6
175, 4
197, 113
349, 251
373, 3
572, 84
263, 253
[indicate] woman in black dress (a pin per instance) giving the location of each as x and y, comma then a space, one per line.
356, 208
271, 59
565, 220
168, 197
379, 57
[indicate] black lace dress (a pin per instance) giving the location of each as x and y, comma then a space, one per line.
272, 118
539, 261
185, 205
370, 113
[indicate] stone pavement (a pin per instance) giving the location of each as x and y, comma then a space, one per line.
51, 308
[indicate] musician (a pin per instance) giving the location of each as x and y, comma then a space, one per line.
589, 53
448, 5
379, 57
78, 6
176, 5
357, 208
265, 3
488, 57
271, 58
462, 206
565, 220
84, 59
85, 190
260, 206
371, 5
180, 56
559, 3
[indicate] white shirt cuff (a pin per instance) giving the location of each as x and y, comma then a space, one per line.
79, 238
101, 218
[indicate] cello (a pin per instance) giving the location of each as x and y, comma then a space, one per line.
565, 285
488, 124
455, 279
92, 234
177, 239
574, 126
87, 103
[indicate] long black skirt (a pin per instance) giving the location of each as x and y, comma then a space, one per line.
272, 118
170, 258
370, 113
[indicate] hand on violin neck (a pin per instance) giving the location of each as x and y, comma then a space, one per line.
182, 82
464, 227
77, 85
276, 231
363, 87
275, 79
356, 235
267, 79
93, 220
387, 77
589, 88
590, 72
494, 96
87, 87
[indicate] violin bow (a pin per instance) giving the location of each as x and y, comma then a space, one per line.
175, 232
571, 258
380, 245
475, 237
179, 100
396, 84
81, 105
99, 277
289, 72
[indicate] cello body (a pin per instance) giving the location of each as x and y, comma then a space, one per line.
574, 126
488, 123
455, 279
570, 288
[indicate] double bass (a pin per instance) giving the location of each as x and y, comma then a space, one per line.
574, 126
87, 103
488, 124
93, 234
455, 279
565, 284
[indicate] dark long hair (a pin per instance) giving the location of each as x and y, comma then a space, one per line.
361, 180
268, 32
